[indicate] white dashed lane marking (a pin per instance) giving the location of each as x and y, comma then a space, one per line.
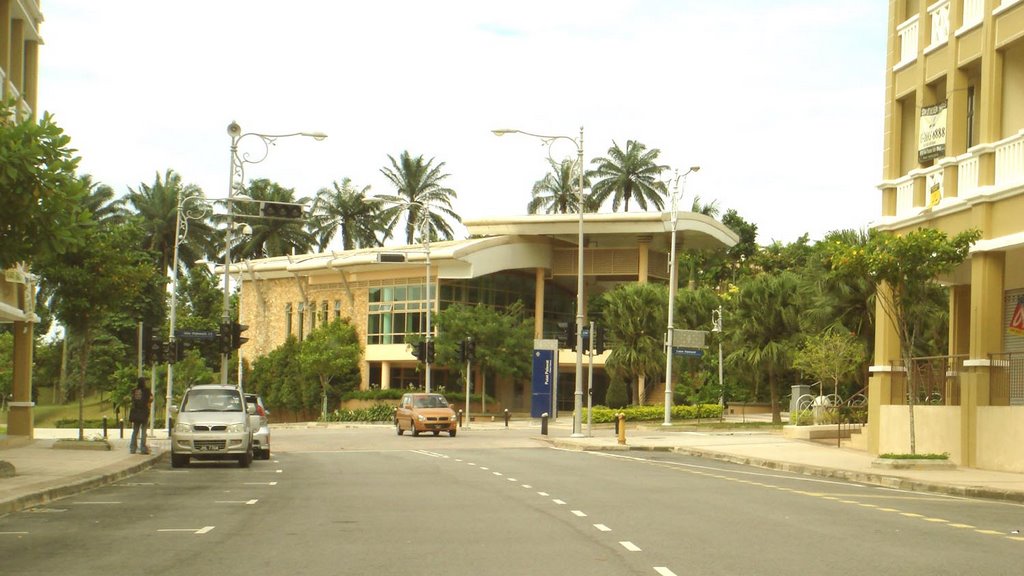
630, 546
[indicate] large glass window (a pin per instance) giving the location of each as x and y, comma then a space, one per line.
396, 312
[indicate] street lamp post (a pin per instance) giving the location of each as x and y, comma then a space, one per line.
180, 231
672, 293
577, 425
238, 171
716, 326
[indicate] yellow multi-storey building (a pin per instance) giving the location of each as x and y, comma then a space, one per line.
953, 159
19, 64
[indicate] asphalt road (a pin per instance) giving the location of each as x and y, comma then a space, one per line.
496, 502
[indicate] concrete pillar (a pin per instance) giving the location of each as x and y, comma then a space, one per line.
880, 384
538, 303
643, 250
385, 375
20, 419
5, 42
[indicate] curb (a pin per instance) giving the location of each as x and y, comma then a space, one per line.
80, 483
882, 480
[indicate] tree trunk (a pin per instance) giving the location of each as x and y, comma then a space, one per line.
774, 394
83, 363
641, 385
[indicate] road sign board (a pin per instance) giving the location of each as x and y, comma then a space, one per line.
688, 338
690, 352
196, 334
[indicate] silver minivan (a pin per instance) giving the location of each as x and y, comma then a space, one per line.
212, 423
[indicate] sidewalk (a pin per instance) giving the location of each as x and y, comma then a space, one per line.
44, 473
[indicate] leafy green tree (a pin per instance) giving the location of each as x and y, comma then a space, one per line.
767, 310
331, 354
270, 236
92, 280
344, 209
558, 191
42, 210
278, 376
421, 197
635, 316
633, 174
906, 267
830, 356
504, 339
616, 396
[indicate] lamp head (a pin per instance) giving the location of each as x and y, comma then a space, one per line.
318, 136
234, 130
503, 131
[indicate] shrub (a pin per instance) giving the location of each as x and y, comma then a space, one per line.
616, 396
375, 413
605, 414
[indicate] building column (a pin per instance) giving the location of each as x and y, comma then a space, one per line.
30, 91
959, 335
987, 278
5, 44
880, 383
385, 375
20, 419
538, 303
643, 250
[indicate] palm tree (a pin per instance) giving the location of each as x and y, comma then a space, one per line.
635, 316
629, 175
270, 236
157, 207
558, 191
421, 197
709, 209
345, 209
765, 339
100, 202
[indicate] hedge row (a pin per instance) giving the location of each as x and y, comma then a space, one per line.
603, 414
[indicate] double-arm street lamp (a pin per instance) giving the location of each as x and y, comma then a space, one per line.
237, 174
672, 281
185, 213
577, 424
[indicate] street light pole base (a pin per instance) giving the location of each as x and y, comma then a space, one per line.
577, 435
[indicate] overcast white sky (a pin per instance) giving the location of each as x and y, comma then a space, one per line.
779, 101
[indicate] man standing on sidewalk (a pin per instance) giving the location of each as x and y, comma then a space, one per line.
139, 416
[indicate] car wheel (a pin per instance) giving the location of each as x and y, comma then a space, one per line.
245, 459
265, 455
437, 432
452, 432
179, 460
398, 427
412, 426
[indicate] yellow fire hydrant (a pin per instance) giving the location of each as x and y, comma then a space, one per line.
622, 427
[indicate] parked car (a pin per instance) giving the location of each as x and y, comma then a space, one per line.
212, 423
260, 422
425, 413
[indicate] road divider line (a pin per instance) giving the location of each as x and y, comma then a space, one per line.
663, 571
559, 502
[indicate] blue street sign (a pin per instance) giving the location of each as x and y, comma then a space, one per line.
196, 334
690, 352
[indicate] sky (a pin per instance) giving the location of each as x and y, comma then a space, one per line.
780, 102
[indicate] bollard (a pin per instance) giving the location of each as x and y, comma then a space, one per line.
544, 424
104, 427
621, 419
120, 423
460, 418
507, 416
615, 425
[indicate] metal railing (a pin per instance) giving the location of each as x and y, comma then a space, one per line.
1007, 378
935, 380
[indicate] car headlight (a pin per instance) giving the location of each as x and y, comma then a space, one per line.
421, 418
236, 427
183, 427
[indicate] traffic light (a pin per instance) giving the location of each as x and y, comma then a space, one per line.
152, 347
470, 349
568, 334
236, 335
598, 339
419, 351
171, 351
225, 338
462, 351
430, 351
281, 210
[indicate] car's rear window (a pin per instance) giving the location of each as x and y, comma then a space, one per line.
212, 401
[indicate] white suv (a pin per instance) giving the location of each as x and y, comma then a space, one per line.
212, 424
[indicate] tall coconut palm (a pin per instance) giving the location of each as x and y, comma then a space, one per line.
707, 209
157, 207
627, 175
100, 201
635, 316
270, 236
345, 209
558, 191
421, 198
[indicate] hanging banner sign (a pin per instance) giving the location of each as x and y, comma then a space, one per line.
1017, 320
932, 134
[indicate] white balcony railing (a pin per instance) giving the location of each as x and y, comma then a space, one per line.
974, 13
939, 15
1010, 161
967, 176
905, 197
908, 32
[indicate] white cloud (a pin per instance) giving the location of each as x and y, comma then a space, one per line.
780, 103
